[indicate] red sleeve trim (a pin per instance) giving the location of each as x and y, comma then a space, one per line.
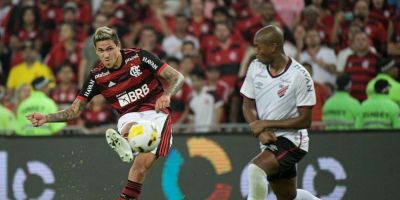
81, 98
161, 68
243, 95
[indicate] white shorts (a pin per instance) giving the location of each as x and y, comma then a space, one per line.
162, 121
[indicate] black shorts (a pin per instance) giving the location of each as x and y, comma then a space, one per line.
287, 154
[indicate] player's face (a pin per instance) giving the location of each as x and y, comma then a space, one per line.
108, 53
264, 51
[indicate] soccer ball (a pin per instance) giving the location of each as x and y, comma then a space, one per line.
143, 136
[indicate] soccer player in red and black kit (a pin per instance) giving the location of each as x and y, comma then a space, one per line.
129, 81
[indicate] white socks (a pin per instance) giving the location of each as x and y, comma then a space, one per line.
258, 184
304, 195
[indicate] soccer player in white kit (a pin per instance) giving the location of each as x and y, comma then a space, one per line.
278, 99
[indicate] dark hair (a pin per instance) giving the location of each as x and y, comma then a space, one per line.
382, 86
197, 72
343, 82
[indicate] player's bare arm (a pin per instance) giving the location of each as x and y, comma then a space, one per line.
69, 113
72, 112
250, 114
249, 110
300, 122
175, 80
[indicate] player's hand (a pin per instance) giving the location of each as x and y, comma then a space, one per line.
257, 127
162, 102
267, 137
37, 119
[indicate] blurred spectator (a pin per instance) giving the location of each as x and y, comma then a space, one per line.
186, 65
264, 14
220, 91
322, 95
388, 71
23, 24
381, 11
73, 15
289, 10
66, 90
7, 118
393, 48
180, 101
5, 8
227, 53
202, 104
67, 50
123, 19
89, 57
341, 111
189, 50
38, 101
379, 111
156, 17
98, 113
199, 25
30, 69
374, 29
172, 43
299, 36
361, 66
348, 50
313, 20
148, 41
321, 58
20, 94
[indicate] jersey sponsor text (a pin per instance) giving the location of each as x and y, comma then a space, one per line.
126, 98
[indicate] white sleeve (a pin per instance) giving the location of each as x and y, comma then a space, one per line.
330, 57
305, 91
247, 89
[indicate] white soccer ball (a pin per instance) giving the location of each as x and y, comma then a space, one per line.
143, 136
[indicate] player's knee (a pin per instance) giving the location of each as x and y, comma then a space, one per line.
126, 128
270, 166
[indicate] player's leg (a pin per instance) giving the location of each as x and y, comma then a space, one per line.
140, 168
286, 189
284, 183
263, 164
144, 161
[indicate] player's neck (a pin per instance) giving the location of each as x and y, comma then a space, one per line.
278, 64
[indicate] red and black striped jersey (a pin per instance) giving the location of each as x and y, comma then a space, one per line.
134, 87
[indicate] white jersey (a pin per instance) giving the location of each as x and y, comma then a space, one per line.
277, 97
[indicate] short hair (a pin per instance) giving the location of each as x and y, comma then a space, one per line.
343, 82
382, 86
199, 73
105, 33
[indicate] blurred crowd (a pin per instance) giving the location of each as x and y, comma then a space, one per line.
351, 48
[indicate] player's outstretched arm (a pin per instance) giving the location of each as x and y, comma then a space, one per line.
175, 81
72, 112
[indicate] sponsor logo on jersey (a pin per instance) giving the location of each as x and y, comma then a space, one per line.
130, 58
150, 62
126, 98
89, 88
135, 71
101, 74
282, 91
